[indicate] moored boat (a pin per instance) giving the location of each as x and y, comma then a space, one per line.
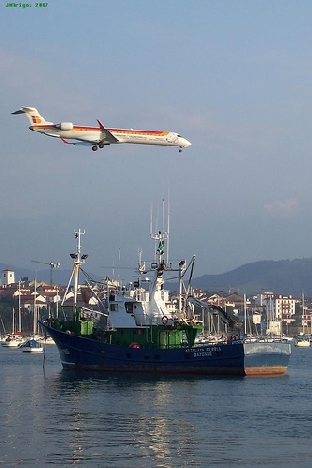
14, 340
46, 340
142, 334
32, 346
302, 341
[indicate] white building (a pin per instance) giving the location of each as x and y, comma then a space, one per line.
279, 308
7, 277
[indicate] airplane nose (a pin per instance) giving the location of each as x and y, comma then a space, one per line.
184, 142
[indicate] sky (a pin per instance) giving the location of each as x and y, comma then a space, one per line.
234, 77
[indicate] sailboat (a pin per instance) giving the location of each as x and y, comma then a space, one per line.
14, 339
302, 341
32, 345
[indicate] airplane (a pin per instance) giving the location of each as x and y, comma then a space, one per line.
100, 136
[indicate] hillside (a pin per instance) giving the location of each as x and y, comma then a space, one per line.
285, 277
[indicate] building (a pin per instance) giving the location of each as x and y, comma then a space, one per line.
279, 308
7, 277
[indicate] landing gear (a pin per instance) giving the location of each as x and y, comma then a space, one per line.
101, 145
180, 150
94, 148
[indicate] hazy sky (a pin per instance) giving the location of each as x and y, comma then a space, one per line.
233, 77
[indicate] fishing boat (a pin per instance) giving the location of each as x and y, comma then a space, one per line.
32, 346
142, 333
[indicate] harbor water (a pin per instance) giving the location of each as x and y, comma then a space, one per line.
51, 417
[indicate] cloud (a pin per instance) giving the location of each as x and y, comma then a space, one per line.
283, 209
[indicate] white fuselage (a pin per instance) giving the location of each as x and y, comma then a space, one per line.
94, 135
99, 136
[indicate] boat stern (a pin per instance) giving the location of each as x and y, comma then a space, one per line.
266, 358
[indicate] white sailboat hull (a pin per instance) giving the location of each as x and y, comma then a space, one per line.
303, 344
11, 344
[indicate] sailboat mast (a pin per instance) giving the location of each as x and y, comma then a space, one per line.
302, 313
19, 308
13, 320
245, 314
35, 310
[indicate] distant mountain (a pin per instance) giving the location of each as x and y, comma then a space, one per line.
292, 277
281, 277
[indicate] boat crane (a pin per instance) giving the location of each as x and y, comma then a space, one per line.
52, 266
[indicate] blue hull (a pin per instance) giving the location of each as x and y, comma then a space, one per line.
82, 353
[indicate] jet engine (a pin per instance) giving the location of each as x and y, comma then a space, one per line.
66, 126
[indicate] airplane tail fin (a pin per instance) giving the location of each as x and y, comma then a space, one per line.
33, 115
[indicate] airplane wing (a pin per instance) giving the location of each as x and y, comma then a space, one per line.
107, 137
85, 143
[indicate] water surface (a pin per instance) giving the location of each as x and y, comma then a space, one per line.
51, 417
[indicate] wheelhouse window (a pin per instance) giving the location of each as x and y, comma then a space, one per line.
129, 307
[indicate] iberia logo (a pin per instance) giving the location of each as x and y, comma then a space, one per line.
35, 119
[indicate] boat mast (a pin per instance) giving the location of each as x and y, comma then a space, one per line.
161, 236
181, 306
78, 261
245, 315
19, 308
302, 318
13, 320
160, 265
35, 310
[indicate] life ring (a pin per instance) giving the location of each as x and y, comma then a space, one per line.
134, 345
164, 320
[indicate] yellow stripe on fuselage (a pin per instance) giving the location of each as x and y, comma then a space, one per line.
97, 129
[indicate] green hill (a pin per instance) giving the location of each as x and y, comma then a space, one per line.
292, 277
